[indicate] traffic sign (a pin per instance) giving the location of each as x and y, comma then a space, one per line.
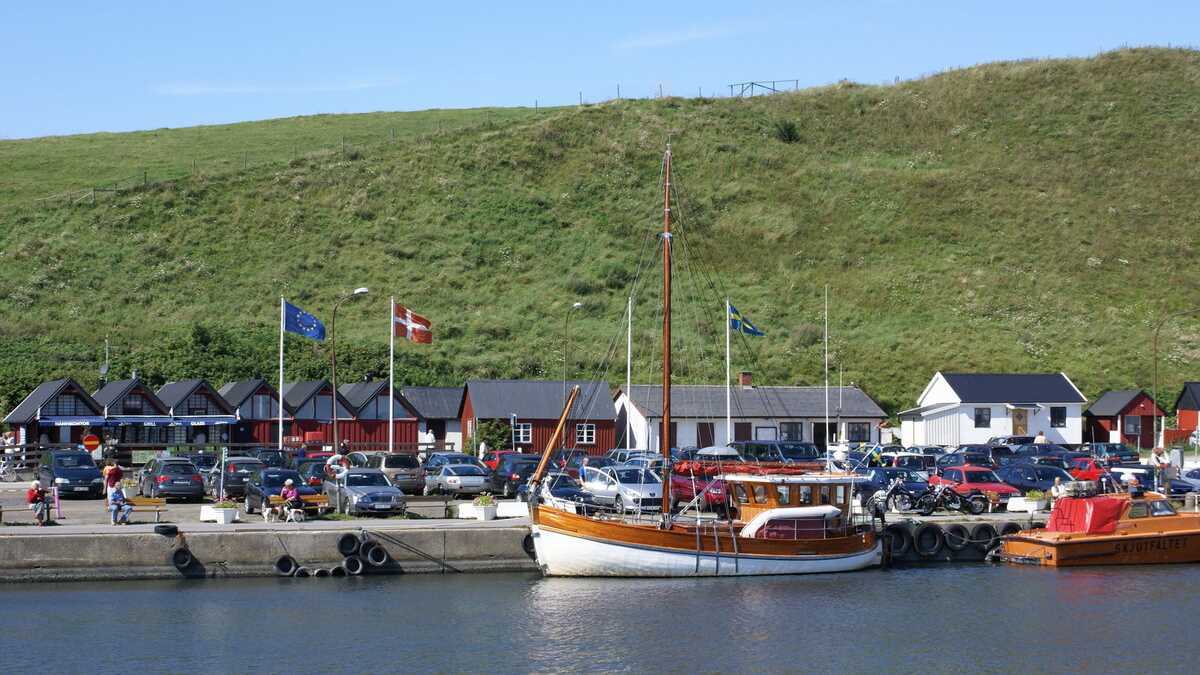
91, 442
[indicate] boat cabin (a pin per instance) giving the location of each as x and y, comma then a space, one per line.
791, 506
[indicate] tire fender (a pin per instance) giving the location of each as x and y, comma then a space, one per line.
957, 537
984, 535
928, 540
900, 537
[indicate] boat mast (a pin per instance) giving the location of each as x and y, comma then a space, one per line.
666, 337
828, 450
629, 375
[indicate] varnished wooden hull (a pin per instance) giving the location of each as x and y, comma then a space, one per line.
572, 545
1134, 549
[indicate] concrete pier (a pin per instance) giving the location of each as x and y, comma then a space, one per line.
954, 537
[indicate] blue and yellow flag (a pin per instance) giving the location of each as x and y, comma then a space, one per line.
742, 325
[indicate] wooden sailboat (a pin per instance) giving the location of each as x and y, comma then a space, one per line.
785, 524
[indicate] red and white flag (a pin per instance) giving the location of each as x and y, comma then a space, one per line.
414, 327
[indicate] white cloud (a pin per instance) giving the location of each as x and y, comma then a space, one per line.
258, 88
674, 37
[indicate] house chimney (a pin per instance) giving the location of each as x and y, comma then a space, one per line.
745, 379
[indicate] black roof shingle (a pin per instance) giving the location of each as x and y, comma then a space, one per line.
538, 399
26, 411
708, 401
1189, 397
173, 394
1013, 388
1112, 402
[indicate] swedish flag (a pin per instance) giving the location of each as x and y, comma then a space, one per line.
740, 324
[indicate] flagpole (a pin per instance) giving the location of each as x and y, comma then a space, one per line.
391, 374
280, 392
629, 375
728, 414
828, 450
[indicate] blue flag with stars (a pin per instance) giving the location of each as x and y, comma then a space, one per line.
300, 322
742, 325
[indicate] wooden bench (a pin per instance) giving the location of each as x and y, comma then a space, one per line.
159, 504
317, 503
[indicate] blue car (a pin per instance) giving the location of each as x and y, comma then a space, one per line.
879, 478
71, 471
267, 482
1026, 477
561, 486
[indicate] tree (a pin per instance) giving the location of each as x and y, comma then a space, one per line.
495, 433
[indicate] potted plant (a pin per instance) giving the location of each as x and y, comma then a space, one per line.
1035, 500
223, 512
485, 507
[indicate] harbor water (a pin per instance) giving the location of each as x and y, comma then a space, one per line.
941, 618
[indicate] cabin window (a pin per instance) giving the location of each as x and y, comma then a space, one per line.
841, 494
784, 492
1138, 510
585, 434
739, 491
983, 418
824, 494
1161, 508
760, 494
132, 405
1133, 425
858, 432
523, 432
197, 404
805, 495
65, 404
791, 431
1058, 416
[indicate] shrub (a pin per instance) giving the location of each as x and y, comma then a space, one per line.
787, 131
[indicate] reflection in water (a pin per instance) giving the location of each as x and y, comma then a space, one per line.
1011, 618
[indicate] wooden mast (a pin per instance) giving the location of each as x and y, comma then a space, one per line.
666, 339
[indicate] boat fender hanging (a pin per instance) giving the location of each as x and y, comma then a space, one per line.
985, 536
900, 537
957, 537
928, 540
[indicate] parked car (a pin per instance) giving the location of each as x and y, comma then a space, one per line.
1189, 479
205, 461
437, 460
1112, 453
313, 474
181, 480
1039, 449
73, 472
266, 482
456, 479
1011, 441
1060, 461
237, 470
632, 489
573, 464
1087, 468
366, 491
1026, 477
656, 464
562, 491
511, 471
491, 457
153, 466
879, 478
932, 450
273, 458
685, 487
785, 452
970, 479
402, 469
959, 458
622, 455
907, 460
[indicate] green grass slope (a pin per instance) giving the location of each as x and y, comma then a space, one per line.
1028, 216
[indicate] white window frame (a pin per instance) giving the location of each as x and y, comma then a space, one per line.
523, 432
1125, 425
585, 433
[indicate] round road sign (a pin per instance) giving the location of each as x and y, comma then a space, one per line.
91, 442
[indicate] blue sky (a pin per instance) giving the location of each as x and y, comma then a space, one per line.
112, 66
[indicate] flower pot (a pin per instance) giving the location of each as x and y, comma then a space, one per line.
210, 514
485, 512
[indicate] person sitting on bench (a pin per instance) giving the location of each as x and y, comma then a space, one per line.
118, 507
35, 496
291, 498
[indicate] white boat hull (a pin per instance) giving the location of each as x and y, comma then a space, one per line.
565, 555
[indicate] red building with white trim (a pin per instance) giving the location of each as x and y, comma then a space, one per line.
531, 409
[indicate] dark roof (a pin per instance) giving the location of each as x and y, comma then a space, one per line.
173, 394
1112, 402
1189, 397
296, 394
115, 392
361, 393
435, 403
236, 393
708, 401
1013, 387
26, 411
538, 399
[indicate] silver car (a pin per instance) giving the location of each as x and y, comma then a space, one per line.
365, 491
624, 487
456, 479
402, 469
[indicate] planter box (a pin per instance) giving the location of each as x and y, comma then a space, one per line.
485, 512
211, 514
1017, 504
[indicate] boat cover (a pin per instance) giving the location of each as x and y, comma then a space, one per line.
1093, 515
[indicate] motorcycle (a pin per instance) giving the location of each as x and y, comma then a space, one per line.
944, 497
897, 497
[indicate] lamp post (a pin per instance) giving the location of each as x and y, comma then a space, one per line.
333, 355
567, 351
1165, 319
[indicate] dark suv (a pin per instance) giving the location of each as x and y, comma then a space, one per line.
786, 452
1114, 454
71, 471
511, 471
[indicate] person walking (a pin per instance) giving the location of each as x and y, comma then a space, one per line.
119, 508
35, 496
1162, 466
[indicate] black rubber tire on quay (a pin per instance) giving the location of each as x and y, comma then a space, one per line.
527, 544
353, 565
957, 537
285, 566
181, 558
321, 572
166, 530
928, 540
984, 536
376, 555
339, 571
348, 544
900, 537
302, 572
1009, 528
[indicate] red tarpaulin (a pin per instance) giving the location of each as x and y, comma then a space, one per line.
712, 468
1093, 515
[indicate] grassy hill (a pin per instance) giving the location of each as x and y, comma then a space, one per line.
1037, 215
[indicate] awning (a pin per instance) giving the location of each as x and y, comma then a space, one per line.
205, 421
140, 421
72, 421
1026, 406
923, 411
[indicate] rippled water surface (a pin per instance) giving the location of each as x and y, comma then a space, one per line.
972, 618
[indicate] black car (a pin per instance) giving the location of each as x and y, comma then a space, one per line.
1060, 461
786, 452
268, 481
511, 471
435, 461
273, 458
1011, 441
73, 472
879, 478
562, 486
1114, 454
960, 458
1026, 477
205, 461
233, 479
178, 479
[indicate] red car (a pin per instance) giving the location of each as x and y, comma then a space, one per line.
492, 457
1087, 468
971, 478
684, 490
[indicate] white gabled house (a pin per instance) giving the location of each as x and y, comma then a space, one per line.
962, 408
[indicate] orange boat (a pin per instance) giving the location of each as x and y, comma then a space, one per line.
1108, 529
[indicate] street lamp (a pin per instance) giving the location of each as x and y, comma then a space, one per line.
1194, 310
333, 355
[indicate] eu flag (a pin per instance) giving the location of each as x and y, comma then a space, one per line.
300, 322
740, 324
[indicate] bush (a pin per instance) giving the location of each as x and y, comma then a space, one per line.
787, 131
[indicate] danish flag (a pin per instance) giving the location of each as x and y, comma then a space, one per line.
414, 327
